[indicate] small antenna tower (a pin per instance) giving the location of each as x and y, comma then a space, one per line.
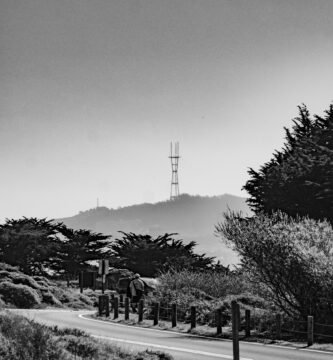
174, 156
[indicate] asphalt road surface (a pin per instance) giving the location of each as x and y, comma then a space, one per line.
180, 346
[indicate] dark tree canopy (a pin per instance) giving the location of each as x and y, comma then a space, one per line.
29, 243
78, 248
298, 180
41, 247
148, 256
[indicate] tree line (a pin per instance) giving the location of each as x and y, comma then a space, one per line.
43, 247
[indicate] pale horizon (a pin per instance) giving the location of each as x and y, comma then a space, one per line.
92, 94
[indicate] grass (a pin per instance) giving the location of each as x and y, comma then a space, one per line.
24, 339
23, 291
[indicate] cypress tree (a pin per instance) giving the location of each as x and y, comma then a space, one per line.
298, 180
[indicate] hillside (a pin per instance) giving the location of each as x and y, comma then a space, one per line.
192, 217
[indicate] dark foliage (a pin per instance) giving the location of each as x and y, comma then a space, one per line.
29, 243
42, 247
78, 248
298, 180
19, 295
148, 256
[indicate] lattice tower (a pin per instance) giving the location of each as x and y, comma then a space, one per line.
174, 156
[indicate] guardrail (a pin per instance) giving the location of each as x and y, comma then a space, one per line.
302, 329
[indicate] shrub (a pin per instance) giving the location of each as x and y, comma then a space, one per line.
4, 274
2, 303
20, 278
49, 298
23, 339
85, 347
213, 284
9, 268
291, 258
27, 340
68, 331
19, 295
208, 291
43, 281
71, 298
7, 349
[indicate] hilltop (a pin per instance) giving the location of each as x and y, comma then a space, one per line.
193, 218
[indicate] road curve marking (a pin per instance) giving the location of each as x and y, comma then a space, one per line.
165, 347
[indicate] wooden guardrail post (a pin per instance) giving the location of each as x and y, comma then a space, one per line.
174, 314
193, 317
127, 305
247, 323
81, 281
235, 329
121, 300
278, 326
116, 308
218, 315
310, 330
112, 301
103, 305
140, 309
156, 313
94, 281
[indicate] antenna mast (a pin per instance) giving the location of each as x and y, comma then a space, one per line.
174, 156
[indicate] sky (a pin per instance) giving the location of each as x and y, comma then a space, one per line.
92, 92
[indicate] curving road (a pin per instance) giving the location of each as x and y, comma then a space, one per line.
181, 346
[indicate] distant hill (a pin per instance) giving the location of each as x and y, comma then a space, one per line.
192, 217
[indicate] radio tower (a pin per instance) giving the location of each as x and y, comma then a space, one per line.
174, 156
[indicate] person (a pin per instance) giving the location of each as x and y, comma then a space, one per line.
136, 288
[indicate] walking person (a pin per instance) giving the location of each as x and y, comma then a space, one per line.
136, 288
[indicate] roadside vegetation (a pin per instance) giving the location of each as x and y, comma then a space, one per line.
24, 339
208, 291
24, 291
290, 258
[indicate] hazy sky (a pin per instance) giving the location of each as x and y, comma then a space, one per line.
93, 91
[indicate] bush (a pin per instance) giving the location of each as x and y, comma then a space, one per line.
208, 291
23, 339
19, 295
7, 267
85, 347
20, 278
49, 298
7, 349
2, 303
31, 291
27, 340
43, 281
71, 298
291, 258
4, 274
212, 284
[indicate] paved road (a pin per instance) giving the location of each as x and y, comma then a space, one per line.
181, 346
